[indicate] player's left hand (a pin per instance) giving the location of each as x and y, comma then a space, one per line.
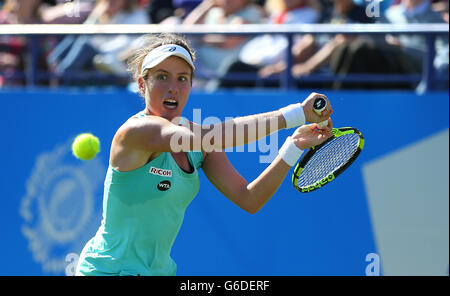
308, 109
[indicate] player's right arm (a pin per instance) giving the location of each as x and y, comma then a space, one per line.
140, 137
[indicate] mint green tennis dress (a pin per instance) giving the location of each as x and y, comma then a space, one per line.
142, 213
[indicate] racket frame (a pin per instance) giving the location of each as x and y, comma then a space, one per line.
337, 132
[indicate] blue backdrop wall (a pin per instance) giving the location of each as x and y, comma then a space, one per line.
51, 202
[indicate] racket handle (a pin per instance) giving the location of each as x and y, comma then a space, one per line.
319, 105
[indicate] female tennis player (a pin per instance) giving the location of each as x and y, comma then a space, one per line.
150, 182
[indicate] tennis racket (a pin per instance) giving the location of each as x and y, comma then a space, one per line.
321, 164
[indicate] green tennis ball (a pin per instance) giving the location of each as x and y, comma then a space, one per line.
85, 146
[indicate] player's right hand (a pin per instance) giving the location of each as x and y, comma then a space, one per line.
309, 135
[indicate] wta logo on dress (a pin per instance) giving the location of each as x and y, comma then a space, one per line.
164, 185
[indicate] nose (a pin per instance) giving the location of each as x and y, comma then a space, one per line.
173, 87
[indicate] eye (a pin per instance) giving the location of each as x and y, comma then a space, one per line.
161, 77
183, 79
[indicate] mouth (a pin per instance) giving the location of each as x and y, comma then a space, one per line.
170, 104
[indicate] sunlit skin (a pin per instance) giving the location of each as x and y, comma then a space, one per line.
166, 90
170, 80
156, 131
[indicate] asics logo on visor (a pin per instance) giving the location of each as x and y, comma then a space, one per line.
162, 52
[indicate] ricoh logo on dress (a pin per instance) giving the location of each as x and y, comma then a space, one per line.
160, 172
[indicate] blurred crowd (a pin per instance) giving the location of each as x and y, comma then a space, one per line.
84, 60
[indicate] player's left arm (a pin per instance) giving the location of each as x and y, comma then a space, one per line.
248, 196
252, 196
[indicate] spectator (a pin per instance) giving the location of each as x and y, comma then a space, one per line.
265, 50
216, 51
64, 12
159, 10
338, 54
411, 49
14, 49
60, 12
375, 8
182, 8
442, 7
24, 11
110, 58
332, 51
84, 52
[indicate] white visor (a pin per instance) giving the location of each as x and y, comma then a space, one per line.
159, 54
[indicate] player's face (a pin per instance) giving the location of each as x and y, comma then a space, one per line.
167, 87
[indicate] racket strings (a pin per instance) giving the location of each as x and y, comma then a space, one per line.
328, 159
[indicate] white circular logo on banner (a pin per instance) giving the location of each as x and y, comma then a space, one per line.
61, 206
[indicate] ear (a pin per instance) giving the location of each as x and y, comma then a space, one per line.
141, 84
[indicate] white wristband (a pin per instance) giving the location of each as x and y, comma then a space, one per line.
294, 115
289, 152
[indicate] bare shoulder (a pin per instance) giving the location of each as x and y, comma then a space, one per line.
126, 129
137, 128
126, 154
136, 122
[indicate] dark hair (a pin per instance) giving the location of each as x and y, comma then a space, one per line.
150, 42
